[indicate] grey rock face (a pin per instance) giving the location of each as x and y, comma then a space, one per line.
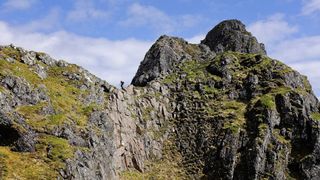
62, 63
22, 91
159, 60
164, 56
46, 59
229, 115
41, 71
231, 35
120, 145
29, 58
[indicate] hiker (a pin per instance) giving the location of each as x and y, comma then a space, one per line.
121, 84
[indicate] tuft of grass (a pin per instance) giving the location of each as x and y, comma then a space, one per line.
195, 70
146, 113
306, 84
279, 137
268, 101
281, 90
169, 79
57, 119
234, 111
263, 128
315, 116
2, 90
55, 150
87, 110
211, 90
233, 126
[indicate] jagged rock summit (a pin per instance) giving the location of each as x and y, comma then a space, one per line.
231, 35
167, 52
162, 58
221, 109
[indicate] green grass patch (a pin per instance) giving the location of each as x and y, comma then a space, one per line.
20, 70
279, 137
17, 165
60, 148
306, 84
38, 121
169, 79
211, 90
281, 90
146, 113
268, 101
315, 116
233, 126
233, 112
87, 110
55, 150
2, 90
195, 70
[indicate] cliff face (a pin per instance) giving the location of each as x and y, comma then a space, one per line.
221, 109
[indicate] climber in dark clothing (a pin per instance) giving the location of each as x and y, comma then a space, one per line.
121, 84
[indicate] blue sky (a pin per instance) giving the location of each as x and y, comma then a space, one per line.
110, 37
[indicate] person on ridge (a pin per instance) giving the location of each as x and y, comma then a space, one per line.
121, 84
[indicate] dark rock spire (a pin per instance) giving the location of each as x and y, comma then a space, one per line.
231, 35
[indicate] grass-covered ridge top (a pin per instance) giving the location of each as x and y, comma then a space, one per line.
239, 67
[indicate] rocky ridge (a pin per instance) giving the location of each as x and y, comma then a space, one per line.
221, 109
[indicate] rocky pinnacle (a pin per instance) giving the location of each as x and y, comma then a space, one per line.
231, 35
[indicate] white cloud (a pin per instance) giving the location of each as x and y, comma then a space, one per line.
110, 60
310, 7
150, 17
139, 15
84, 10
189, 20
272, 30
298, 49
196, 39
18, 4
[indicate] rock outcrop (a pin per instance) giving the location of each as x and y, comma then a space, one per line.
221, 109
231, 35
164, 56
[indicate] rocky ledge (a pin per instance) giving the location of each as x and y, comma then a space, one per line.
221, 109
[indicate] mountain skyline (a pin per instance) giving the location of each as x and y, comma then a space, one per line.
110, 38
